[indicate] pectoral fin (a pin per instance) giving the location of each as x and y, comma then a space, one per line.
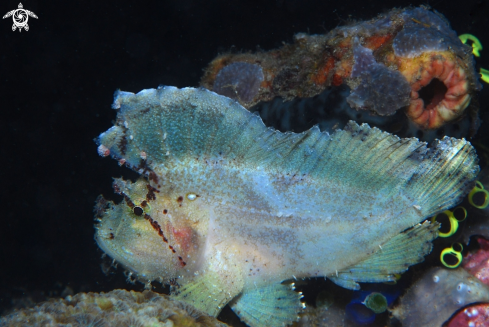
274, 305
209, 292
393, 257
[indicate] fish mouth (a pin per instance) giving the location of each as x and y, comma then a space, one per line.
439, 89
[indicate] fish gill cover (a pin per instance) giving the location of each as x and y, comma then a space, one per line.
229, 208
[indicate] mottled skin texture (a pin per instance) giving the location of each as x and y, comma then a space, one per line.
275, 226
240, 206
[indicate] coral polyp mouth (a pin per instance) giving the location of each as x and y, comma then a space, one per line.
433, 93
440, 93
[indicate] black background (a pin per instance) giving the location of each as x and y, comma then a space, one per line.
56, 86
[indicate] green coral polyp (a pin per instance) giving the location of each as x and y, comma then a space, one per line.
452, 257
479, 192
450, 221
476, 44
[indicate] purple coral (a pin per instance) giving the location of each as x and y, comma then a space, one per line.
425, 31
364, 61
239, 80
381, 90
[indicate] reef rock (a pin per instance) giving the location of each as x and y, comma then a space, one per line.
405, 59
437, 295
113, 309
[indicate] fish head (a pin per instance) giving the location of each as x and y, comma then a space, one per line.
147, 234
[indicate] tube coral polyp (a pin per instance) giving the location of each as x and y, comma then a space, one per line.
443, 81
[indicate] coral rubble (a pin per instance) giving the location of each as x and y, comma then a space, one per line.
409, 59
117, 308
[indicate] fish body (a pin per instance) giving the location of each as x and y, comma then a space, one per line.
230, 208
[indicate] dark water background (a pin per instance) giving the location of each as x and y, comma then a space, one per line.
56, 87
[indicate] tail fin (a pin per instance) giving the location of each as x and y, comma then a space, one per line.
445, 174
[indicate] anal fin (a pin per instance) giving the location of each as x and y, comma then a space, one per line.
393, 257
273, 305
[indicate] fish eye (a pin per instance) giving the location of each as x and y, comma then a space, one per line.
138, 211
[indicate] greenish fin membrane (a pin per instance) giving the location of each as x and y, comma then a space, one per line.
393, 257
206, 293
168, 126
274, 305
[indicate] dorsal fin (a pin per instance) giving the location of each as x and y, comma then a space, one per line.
169, 126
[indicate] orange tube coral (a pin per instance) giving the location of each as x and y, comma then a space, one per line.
406, 59
440, 89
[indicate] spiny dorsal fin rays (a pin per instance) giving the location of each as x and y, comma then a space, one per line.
360, 149
197, 122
